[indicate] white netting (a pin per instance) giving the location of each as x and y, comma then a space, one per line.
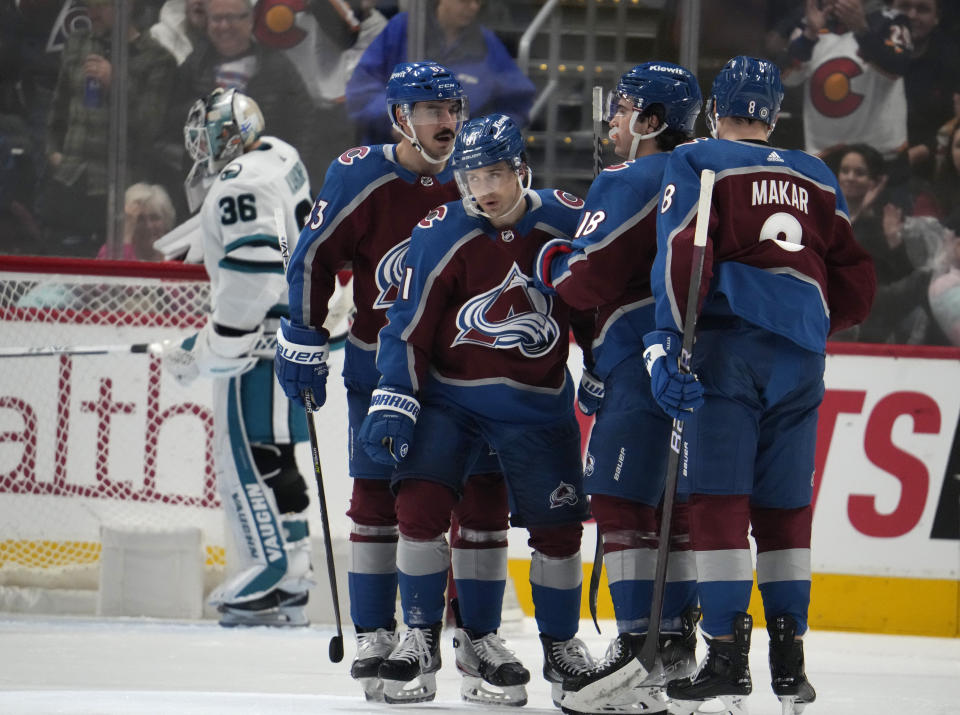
92, 440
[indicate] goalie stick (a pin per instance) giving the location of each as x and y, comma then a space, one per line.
648, 653
265, 344
597, 168
336, 643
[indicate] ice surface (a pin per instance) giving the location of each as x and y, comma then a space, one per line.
134, 666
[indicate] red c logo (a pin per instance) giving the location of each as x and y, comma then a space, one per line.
830, 87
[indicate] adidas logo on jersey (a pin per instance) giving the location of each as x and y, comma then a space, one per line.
773, 156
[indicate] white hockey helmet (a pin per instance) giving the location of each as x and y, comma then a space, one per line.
221, 127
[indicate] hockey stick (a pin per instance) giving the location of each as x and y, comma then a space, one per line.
264, 343
651, 644
336, 643
597, 168
152, 348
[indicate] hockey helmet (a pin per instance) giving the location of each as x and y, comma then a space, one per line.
221, 127
672, 86
746, 87
413, 82
485, 141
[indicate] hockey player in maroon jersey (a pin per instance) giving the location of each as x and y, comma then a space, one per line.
781, 271
608, 266
473, 354
371, 199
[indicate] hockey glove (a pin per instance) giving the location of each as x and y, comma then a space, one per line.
210, 354
301, 363
678, 393
590, 393
387, 430
543, 266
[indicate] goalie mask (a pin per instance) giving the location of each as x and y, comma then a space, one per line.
418, 91
746, 87
219, 128
488, 157
671, 86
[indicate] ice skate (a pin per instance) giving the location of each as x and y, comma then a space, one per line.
409, 672
611, 682
277, 609
787, 674
563, 660
373, 647
491, 673
678, 651
724, 675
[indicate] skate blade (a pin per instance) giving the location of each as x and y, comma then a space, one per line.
283, 617
421, 689
721, 705
475, 690
639, 701
611, 688
372, 689
791, 705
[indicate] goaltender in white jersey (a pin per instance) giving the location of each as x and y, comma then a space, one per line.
264, 496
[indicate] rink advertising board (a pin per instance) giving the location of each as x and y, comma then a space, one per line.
886, 531
886, 527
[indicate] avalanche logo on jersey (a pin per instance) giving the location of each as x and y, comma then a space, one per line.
565, 494
389, 275
512, 315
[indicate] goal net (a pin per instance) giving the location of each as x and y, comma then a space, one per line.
105, 440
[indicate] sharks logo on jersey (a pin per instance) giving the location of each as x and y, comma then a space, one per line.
512, 315
389, 275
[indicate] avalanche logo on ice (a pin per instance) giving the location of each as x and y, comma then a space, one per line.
389, 275
512, 315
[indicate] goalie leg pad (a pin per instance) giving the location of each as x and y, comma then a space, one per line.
263, 555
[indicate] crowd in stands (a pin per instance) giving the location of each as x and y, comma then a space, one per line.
873, 88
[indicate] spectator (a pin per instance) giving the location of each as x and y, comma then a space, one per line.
73, 202
181, 27
944, 292
148, 215
454, 39
933, 68
232, 59
324, 41
851, 65
948, 172
878, 225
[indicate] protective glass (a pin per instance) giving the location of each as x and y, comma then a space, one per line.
497, 179
438, 112
613, 105
486, 180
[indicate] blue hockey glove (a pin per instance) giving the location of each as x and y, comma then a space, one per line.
301, 363
590, 393
387, 430
677, 393
543, 266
